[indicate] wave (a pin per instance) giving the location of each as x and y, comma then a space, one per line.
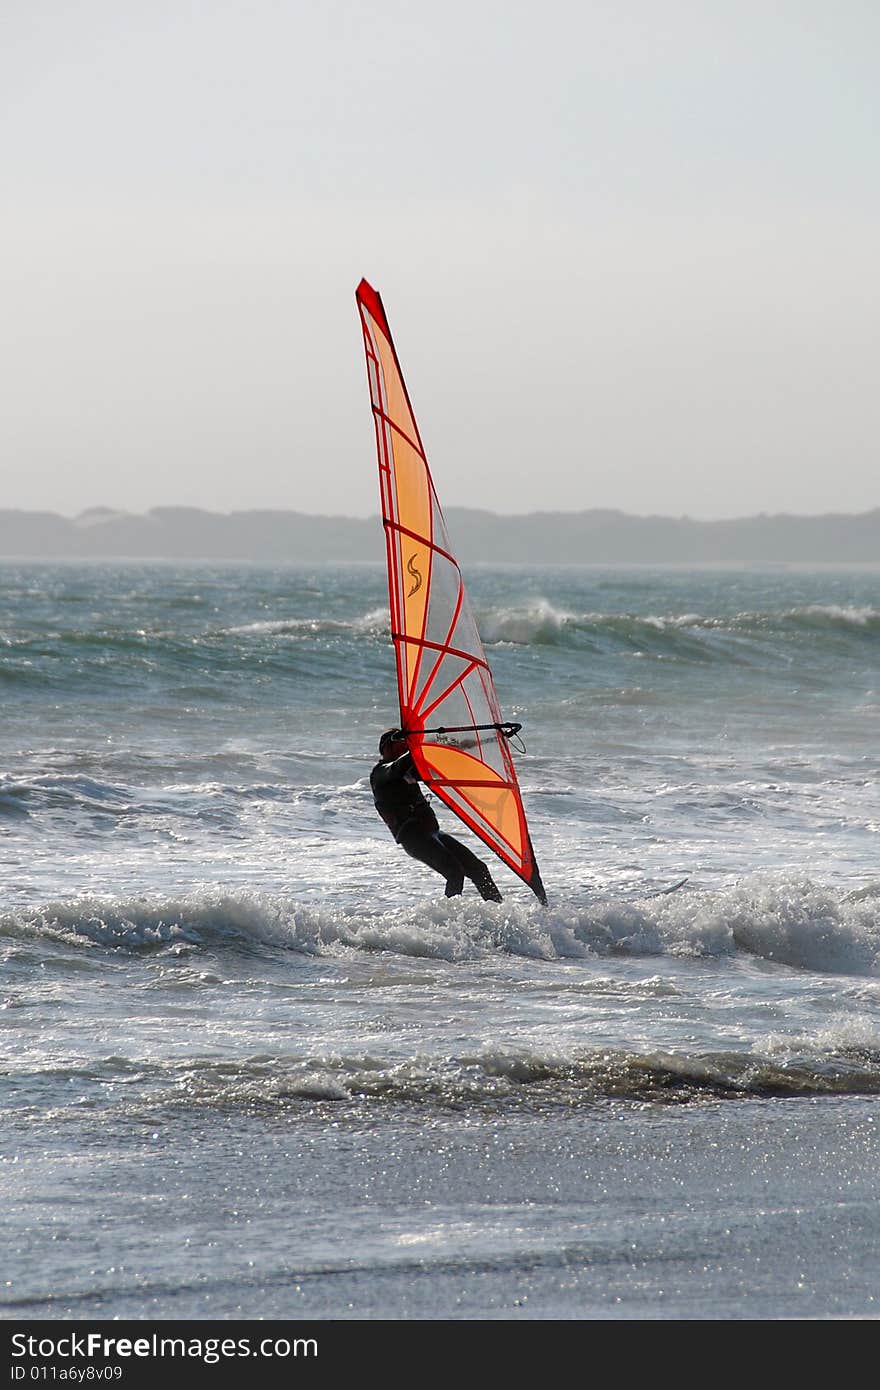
511, 1080
374, 621
218, 665
76, 794
540, 623
789, 921
836, 615
85, 801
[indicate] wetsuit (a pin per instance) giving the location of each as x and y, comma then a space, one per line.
402, 806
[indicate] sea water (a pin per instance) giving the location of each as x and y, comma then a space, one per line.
255, 1065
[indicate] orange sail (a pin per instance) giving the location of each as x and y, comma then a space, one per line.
448, 705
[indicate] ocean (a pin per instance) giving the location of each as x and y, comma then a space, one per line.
256, 1066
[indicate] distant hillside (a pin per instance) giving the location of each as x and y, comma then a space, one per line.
591, 537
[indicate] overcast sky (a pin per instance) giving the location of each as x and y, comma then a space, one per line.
628, 251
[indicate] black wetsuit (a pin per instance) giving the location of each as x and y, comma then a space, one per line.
402, 806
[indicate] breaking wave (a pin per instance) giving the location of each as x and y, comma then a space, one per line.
487, 1081
540, 623
789, 921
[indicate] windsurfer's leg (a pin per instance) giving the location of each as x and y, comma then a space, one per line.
430, 850
472, 867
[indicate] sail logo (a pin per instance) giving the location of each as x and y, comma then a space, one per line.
416, 574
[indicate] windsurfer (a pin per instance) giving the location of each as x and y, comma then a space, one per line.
404, 809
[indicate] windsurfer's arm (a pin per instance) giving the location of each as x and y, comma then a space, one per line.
401, 768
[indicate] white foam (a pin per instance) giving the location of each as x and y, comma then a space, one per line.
794, 921
857, 615
534, 622
788, 920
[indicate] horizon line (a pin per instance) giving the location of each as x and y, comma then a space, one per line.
118, 513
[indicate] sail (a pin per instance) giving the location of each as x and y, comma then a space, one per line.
448, 704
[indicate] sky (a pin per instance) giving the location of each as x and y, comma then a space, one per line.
627, 250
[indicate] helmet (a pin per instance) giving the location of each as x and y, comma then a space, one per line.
389, 737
